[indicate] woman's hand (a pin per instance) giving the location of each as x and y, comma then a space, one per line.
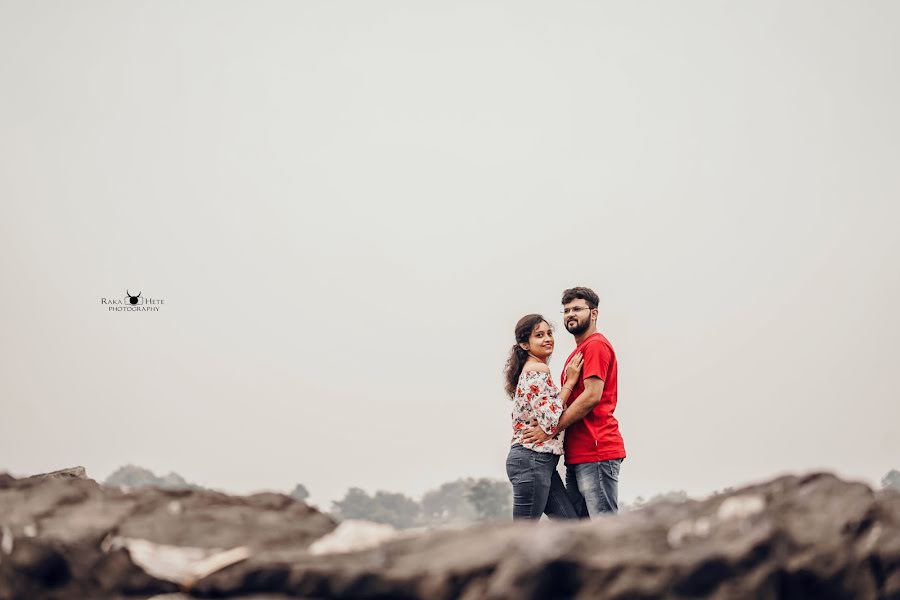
573, 369
535, 435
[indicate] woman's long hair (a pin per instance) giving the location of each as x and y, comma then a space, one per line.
518, 356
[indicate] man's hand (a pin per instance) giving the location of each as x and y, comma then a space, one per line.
534, 435
585, 403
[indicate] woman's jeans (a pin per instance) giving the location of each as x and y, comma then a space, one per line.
537, 487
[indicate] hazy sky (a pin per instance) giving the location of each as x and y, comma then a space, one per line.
346, 206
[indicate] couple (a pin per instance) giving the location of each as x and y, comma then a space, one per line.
577, 419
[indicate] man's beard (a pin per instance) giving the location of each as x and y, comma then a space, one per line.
578, 328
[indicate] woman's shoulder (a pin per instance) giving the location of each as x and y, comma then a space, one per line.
536, 368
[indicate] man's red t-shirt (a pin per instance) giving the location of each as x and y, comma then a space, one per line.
596, 437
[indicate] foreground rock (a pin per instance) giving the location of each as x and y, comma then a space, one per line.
794, 537
68, 537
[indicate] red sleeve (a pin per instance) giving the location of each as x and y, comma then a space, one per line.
597, 358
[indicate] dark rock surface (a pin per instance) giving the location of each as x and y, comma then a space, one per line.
55, 533
813, 536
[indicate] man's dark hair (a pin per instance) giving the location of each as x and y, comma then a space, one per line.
581, 293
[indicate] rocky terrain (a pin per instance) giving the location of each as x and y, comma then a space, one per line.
63, 536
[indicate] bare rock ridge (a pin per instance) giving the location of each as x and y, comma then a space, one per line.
70, 473
816, 536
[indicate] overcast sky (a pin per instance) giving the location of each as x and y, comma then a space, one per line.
346, 207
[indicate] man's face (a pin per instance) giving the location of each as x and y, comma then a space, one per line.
577, 316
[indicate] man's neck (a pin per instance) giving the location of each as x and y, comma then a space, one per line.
585, 335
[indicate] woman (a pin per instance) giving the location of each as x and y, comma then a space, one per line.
537, 487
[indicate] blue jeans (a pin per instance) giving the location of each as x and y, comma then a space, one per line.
537, 487
594, 487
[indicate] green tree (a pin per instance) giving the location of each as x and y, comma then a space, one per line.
491, 498
395, 509
639, 502
449, 503
891, 480
384, 507
132, 476
357, 504
300, 493
675, 496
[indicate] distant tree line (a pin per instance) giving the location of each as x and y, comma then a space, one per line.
459, 502
456, 503
134, 477
641, 502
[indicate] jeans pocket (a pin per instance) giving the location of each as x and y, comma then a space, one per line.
511, 466
611, 468
516, 466
545, 457
545, 465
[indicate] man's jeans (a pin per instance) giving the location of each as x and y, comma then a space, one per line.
594, 487
537, 487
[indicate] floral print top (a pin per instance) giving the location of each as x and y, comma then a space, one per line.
537, 398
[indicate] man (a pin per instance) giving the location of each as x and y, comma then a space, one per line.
593, 446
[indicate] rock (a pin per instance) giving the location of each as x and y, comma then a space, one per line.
812, 536
794, 537
184, 565
54, 531
71, 473
353, 535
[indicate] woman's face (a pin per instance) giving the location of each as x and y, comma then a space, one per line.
541, 341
